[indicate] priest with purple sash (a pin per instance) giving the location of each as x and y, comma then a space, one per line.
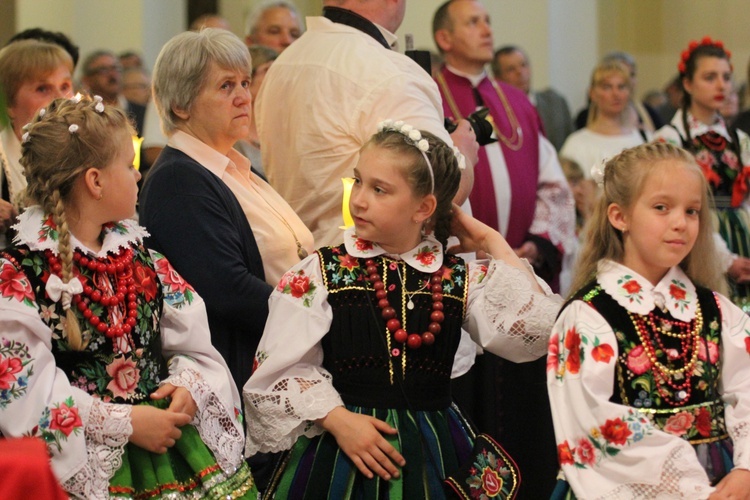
520, 190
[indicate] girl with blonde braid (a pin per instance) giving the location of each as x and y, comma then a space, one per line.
105, 351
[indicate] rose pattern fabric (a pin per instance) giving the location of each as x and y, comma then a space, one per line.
298, 285
566, 355
607, 440
117, 370
16, 366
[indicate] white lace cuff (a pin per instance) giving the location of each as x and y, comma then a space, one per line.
107, 431
517, 311
215, 424
277, 419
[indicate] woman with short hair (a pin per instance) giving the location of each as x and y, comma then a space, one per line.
223, 228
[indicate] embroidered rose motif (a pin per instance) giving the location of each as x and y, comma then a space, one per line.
65, 419
703, 422
171, 278
15, 284
564, 455
713, 351
602, 353
638, 361
616, 431
553, 352
362, 245
747, 344
125, 376
585, 452
348, 262
632, 287
145, 281
676, 292
491, 482
426, 256
8, 369
299, 285
573, 345
730, 159
679, 424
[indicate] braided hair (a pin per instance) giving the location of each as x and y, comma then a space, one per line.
62, 142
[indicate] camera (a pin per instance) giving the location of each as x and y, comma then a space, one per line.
480, 123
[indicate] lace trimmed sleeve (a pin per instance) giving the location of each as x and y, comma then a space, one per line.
506, 316
735, 379
289, 388
107, 431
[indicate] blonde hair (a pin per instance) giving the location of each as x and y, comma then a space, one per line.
27, 60
625, 175
604, 70
53, 158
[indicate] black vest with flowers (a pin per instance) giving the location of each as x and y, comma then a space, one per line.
369, 368
698, 416
126, 374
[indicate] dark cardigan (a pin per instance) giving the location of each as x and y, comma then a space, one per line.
196, 221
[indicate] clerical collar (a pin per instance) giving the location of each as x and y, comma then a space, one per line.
349, 18
474, 79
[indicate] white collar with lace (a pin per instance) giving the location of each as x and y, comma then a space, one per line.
697, 127
426, 257
36, 230
674, 293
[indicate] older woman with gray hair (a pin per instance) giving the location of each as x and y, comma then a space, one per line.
223, 228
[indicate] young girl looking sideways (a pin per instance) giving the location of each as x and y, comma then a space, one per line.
353, 370
105, 351
722, 153
648, 370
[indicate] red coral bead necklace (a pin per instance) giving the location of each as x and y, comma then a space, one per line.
393, 324
111, 269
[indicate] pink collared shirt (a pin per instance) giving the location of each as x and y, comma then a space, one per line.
272, 220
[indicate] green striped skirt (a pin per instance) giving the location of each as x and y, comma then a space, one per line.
433, 443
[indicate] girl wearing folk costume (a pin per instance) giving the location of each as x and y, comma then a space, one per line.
723, 154
105, 351
353, 370
648, 369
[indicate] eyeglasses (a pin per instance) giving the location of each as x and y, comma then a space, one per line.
102, 70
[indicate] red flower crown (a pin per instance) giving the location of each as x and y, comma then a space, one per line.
682, 65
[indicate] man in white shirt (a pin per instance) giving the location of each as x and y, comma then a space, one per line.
323, 98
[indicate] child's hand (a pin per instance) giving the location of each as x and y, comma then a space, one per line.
735, 486
182, 400
359, 436
475, 236
740, 270
156, 430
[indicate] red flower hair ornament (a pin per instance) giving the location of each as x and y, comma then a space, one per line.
706, 40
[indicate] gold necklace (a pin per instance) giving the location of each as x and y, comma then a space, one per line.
301, 252
515, 141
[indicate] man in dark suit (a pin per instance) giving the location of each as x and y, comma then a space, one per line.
510, 65
102, 76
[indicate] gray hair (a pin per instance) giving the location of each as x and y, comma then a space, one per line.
251, 22
183, 66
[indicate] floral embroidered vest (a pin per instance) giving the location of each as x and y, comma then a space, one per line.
369, 367
119, 370
719, 160
696, 414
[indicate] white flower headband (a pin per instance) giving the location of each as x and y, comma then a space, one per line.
597, 172
413, 137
